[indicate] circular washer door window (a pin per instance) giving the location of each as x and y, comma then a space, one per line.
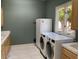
50, 50
41, 42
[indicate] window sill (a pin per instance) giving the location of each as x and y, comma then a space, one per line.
69, 33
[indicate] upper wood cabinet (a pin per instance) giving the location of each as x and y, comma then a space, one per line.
74, 21
1, 17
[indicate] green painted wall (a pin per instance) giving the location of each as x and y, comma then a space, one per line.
19, 16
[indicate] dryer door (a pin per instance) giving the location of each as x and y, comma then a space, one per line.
50, 51
42, 42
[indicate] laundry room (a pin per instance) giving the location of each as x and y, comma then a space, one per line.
39, 29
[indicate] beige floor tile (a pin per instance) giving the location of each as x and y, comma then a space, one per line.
24, 51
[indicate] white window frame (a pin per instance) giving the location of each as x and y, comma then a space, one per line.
72, 32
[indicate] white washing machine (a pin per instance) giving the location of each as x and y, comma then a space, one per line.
43, 41
42, 25
53, 47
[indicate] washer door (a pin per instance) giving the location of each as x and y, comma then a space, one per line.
50, 50
41, 43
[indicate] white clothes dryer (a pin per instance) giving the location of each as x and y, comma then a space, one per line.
53, 47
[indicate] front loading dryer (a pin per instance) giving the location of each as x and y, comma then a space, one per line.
53, 46
49, 51
52, 50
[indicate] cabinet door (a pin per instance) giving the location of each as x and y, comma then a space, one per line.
3, 52
65, 57
74, 21
66, 54
5, 48
8, 45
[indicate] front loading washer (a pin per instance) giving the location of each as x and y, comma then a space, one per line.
53, 46
43, 41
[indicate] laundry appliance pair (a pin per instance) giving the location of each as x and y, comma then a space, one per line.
42, 25
51, 44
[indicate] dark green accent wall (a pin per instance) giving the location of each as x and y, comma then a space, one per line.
19, 16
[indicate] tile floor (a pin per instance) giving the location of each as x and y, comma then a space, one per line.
24, 51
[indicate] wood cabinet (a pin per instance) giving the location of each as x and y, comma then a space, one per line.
66, 54
5, 47
74, 20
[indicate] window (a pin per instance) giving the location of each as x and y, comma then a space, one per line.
63, 19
